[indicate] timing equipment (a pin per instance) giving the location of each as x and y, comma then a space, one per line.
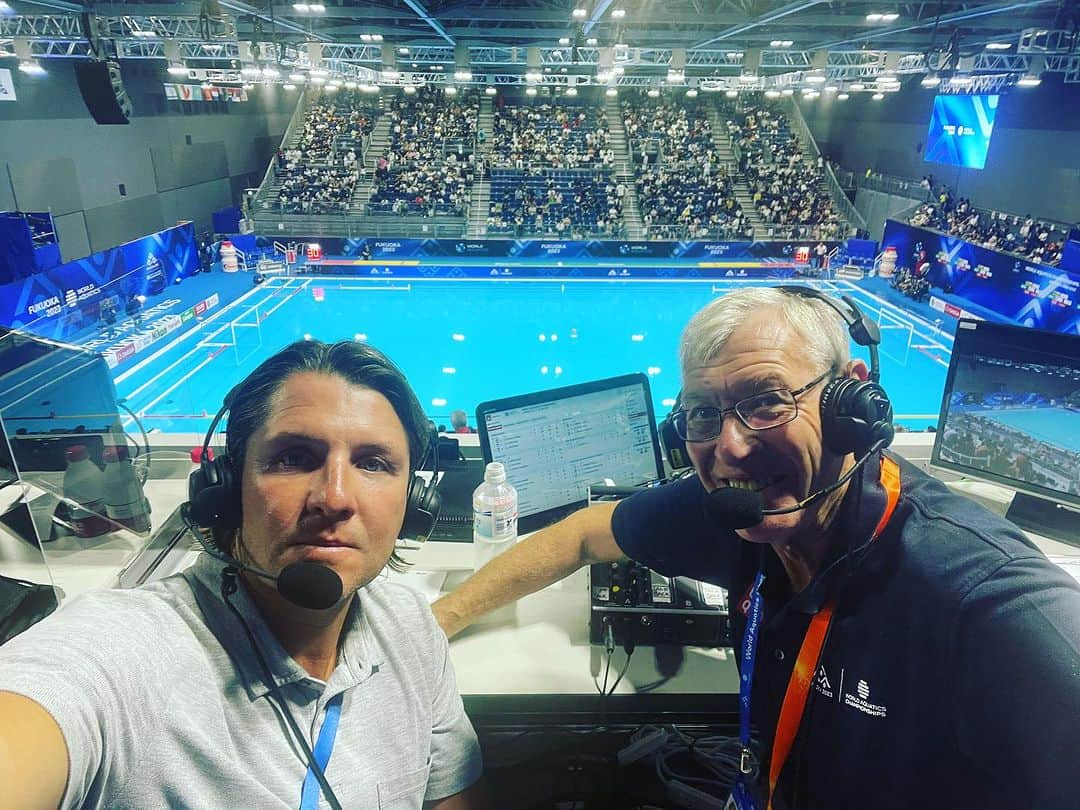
214, 490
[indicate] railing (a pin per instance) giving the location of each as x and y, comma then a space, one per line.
836, 193
298, 114
358, 226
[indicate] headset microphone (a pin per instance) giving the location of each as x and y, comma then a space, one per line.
734, 508
307, 585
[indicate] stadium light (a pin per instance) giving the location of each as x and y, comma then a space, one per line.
490, 91
772, 94
618, 13
732, 93
653, 93
570, 91
31, 67
930, 80
1027, 80
878, 96
843, 97
691, 93
564, 40
998, 46
177, 69
591, 41
530, 91
579, 13
289, 86
611, 92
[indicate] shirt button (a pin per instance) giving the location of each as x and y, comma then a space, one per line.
778, 654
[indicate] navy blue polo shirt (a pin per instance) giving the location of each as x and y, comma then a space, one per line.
950, 676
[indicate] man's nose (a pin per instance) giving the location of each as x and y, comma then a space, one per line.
332, 492
735, 441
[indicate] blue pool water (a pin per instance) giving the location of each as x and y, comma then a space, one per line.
463, 342
1056, 426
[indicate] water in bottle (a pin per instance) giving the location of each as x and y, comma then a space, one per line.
84, 492
125, 502
494, 515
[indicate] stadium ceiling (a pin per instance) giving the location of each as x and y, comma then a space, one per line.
693, 42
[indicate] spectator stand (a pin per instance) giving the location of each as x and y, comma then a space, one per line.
684, 187
429, 164
552, 173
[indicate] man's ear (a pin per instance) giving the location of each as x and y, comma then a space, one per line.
858, 369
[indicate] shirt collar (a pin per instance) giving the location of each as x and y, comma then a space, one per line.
359, 656
853, 526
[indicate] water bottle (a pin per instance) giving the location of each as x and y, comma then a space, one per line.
84, 488
495, 512
125, 502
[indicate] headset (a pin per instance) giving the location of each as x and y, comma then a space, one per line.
214, 490
855, 414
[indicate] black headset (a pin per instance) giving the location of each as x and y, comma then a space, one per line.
214, 490
855, 414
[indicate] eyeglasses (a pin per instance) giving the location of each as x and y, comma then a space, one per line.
763, 411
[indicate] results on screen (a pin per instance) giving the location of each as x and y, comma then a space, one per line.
554, 450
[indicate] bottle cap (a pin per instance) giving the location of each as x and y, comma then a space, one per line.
76, 452
495, 473
196, 454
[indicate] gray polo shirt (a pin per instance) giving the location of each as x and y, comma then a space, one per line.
162, 701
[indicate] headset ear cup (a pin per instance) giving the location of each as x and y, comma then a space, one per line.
421, 509
855, 415
214, 495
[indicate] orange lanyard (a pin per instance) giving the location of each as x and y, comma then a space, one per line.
798, 688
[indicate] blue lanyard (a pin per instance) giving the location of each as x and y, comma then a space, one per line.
748, 654
309, 794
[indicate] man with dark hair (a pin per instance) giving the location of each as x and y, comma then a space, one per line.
211, 687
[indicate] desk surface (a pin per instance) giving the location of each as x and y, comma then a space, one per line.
539, 647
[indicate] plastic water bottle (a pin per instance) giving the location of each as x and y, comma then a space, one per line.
495, 512
125, 502
84, 486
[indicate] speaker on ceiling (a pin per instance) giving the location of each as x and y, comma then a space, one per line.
103, 92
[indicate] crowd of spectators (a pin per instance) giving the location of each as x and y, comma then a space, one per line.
985, 443
430, 163
685, 192
787, 189
1024, 237
566, 204
318, 175
564, 137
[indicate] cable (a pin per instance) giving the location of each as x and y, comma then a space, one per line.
228, 588
145, 472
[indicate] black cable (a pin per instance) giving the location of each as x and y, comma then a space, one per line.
228, 588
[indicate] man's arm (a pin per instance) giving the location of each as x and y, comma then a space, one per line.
33, 755
536, 562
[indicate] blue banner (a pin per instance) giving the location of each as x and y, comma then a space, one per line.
567, 257
60, 302
1027, 293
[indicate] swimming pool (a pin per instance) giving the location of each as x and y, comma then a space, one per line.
1055, 426
461, 342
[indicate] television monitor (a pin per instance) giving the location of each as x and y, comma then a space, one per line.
556, 443
1010, 414
960, 130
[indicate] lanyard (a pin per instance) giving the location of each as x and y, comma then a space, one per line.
309, 794
798, 688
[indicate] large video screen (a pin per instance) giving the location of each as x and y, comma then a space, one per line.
1011, 409
960, 130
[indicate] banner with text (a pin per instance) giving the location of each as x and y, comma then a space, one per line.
1029, 293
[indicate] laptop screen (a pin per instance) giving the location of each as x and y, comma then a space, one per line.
555, 443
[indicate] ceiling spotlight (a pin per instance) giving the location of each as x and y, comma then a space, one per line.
858, 86
463, 75
5, 8
890, 17
930, 80
611, 92
318, 79
303, 8
246, 70
564, 40
619, 13
830, 88
534, 76
297, 77
591, 41
530, 91
317, 8
998, 46
874, 17
1027, 80
579, 13
816, 78
451, 91
409, 89
269, 73
653, 92
490, 91
376, 37
691, 93
289, 86
178, 69
878, 96
31, 67
732, 93
772, 94
781, 43
403, 51
843, 97
570, 91
365, 37
787, 91
350, 85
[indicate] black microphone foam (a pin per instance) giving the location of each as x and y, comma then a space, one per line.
310, 585
734, 508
